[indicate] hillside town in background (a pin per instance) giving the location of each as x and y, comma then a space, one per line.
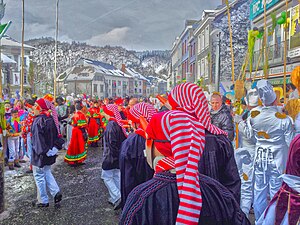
205, 132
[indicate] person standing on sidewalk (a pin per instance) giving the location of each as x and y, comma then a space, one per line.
45, 144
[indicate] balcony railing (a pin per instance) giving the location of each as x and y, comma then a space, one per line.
275, 56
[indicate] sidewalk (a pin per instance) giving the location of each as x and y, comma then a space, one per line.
84, 196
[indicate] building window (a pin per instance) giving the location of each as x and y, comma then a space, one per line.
140, 90
119, 83
206, 68
25, 78
202, 68
95, 88
101, 88
206, 37
202, 41
24, 62
109, 82
140, 83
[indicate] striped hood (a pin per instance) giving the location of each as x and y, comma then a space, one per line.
190, 98
181, 139
142, 109
112, 110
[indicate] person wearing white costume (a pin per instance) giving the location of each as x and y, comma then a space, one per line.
273, 133
244, 155
284, 208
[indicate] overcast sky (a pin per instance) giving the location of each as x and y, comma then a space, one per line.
134, 24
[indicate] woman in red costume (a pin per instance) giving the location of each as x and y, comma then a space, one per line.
76, 153
94, 124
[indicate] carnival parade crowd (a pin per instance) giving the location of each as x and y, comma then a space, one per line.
188, 158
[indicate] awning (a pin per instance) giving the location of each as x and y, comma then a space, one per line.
279, 81
6, 59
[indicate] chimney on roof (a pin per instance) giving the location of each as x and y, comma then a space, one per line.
123, 69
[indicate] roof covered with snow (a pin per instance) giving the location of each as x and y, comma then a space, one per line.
135, 74
100, 64
8, 41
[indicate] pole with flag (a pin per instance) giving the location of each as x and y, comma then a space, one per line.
22, 52
55, 56
286, 27
3, 29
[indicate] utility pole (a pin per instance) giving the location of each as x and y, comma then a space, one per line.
55, 56
1, 151
266, 69
22, 52
285, 53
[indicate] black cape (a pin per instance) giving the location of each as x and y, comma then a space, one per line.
133, 165
112, 140
156, 202
44, 137
218, 163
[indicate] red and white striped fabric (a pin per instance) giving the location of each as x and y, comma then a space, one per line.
143, 109
187, 141
191, 99
47, 105
114, 108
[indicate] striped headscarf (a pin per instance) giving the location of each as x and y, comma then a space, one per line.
190, 98
116, 114
181, 139
142, 109
47, 105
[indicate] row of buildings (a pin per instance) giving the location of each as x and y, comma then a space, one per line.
103, 80
202, 51
87, 76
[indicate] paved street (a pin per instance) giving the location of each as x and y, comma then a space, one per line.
84, 196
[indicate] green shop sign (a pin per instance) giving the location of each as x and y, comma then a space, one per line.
257, 7
279, 81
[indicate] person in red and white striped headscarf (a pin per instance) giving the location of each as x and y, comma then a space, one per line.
191, 99
113, 137
133, 164
218, 158
142, 109
178, 194
113, 112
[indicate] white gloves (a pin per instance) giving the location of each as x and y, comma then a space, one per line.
52, 152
